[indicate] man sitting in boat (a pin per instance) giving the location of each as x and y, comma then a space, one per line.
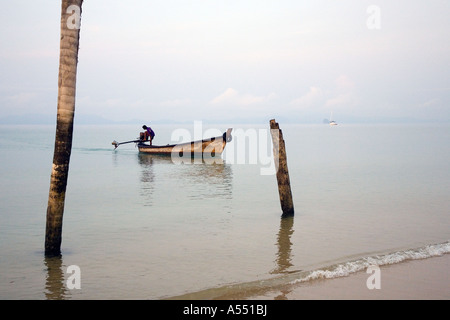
147, 135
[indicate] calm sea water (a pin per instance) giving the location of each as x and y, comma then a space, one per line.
144, 227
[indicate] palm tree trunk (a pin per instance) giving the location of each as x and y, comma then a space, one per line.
70, 35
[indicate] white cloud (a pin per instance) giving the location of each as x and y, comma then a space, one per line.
341, 100
113, 103
431, 103
176, 103
21, 98
344, 94
310, 99
229, 95
233, 97
344, 83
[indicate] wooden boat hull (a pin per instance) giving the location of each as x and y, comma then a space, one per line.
212, 147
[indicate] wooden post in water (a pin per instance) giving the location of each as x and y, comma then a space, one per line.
284, 184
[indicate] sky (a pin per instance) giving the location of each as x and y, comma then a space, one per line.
234, 60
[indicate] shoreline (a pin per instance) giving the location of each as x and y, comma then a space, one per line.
422, 279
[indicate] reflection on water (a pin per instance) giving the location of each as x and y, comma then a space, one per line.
258, 288
54, 283
199, 180
283, 260
147, 178
284, 257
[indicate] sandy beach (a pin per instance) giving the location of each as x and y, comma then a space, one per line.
426, 279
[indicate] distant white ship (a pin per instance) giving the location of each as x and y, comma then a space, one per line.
332, 122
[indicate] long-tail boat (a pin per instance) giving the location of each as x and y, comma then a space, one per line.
211, 147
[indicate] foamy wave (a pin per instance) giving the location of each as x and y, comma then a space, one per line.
345, 269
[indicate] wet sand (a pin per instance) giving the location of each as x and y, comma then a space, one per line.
426, 279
